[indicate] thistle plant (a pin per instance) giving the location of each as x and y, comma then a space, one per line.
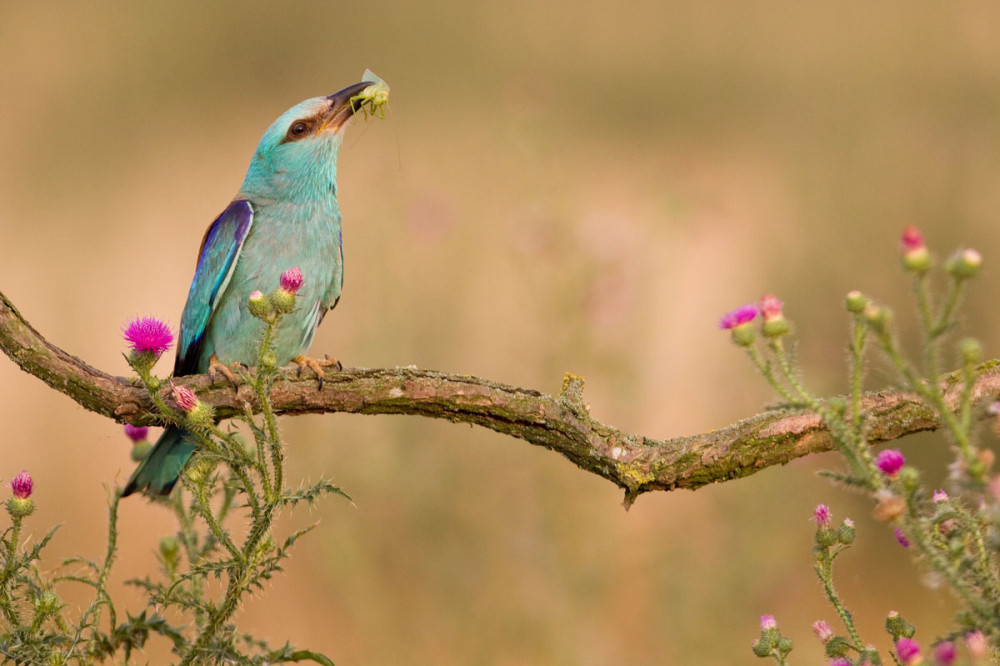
229, 480
954, 532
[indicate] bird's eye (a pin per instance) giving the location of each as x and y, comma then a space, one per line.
298, 129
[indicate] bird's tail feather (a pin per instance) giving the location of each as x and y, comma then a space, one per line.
157, 474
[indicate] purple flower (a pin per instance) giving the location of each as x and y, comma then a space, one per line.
945, 653
738, 317
148, 334
823, 630
136, 433
185, 398
22, 485
822, 515
291, 280
901, 538
908, 651
890, 461
768, 622
939, 496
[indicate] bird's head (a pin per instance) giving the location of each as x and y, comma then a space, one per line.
297, 156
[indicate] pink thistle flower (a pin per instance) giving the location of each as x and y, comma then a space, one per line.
912, 240
976, 642
291, 280
908, 651
148, 334
822, 515
768, 622
939, 496
22, 485
840, 661
738, 317
945, 653
136, 433
890, 461
770, 307
823, 630
901, 538
185, 398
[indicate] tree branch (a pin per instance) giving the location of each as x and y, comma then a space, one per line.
636, 463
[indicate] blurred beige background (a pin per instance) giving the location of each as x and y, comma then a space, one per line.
560, 187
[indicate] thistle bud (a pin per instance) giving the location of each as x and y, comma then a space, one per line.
898, 627
971, 351
964, 264
283, 297
140, 451
775, 324
738, 323
47, 603
259, 305
878, 317
856, 302
170, 551
845, 534
21, 504
198, 412
916, 258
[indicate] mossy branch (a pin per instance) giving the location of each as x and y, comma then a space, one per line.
562, 422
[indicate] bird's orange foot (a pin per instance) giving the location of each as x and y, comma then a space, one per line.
317, 365
216, 368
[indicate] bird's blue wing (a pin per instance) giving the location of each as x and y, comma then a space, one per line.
220, 250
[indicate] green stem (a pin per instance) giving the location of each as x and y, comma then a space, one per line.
926, 312
824, 569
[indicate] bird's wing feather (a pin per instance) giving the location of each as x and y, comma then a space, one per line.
220, 250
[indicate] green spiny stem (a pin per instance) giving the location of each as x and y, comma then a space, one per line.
987, 572
951, 302
109, 558
858, 343
765, 369
977, 606
203, 508
262, 385
850, 440
824, 570
965, 399
926, 311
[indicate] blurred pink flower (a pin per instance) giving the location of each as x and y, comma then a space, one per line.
136, 433
738, 317
890, 461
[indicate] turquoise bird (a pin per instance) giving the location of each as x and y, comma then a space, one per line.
285, 215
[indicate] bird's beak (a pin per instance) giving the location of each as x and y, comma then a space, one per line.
341, 108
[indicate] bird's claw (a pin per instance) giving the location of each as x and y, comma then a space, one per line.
216, 368
317, 365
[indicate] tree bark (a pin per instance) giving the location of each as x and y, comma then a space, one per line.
562, 423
